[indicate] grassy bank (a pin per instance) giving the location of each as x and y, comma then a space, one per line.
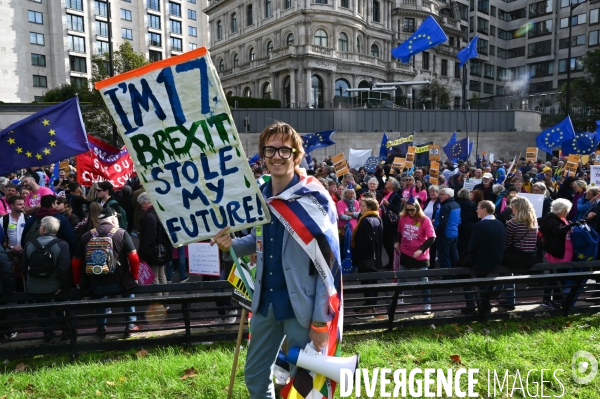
203, 371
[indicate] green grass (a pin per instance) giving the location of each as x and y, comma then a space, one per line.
522, 345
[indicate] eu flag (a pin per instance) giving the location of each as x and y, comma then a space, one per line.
448, 147
428, 35
461, 149
597, 138
556, 135
317, 140
582, 144
254, 159
45, 137
383, 148
422, 153
468, 52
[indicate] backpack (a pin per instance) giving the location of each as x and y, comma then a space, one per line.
122, 214
99, 254
162, 250
41, 262
33, 233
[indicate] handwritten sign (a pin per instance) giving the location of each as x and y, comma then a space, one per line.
471, 183
204, 259
434, 172
410, 155
176, 123
595, 176
597, 158
103, 162
340, 165
531, 154
434, 153
571, 165
399, 163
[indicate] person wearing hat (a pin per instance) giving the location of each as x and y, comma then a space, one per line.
498, 171
123, 278
486, 186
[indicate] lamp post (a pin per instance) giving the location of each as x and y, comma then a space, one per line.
571, 8
111, 68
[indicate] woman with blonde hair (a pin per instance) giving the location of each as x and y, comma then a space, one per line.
579, 187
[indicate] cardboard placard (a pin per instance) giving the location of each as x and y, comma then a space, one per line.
399, 163
204, 259
410, 155
434, 172
179, 130
531, 154
340, 165
595, 176
570, 168
408, 164
575, 158
597, 158
434, 153
64, 166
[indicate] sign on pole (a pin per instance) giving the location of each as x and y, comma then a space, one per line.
434, 172
340, 165
531, 154
177, 126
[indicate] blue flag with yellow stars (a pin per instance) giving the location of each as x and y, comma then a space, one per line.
448, 147
597, 138
383, 151
428, 35
461, 149
317, 140
45, 137
556, 135
371, 164
582, 144
468, 52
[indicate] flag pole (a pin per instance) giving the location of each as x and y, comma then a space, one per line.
236, 354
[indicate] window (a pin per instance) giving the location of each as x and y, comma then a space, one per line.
492, 30
221, 65
76, 43
266, 90
153, 21
155, 40
483, 25
576, 20
74, 4
247, 92
376, 12
269, 48
502, 73
192, 14
236, 60
474, 85
40, 81
193, 31
251, 54
425, 60
125, 14
492, 50
511, 53
539, 49
483, 6
192, 46
192, 1
575, 41
38, 60
493, 11
154, 56
482, 46
78, 64
374, 51
36, 17
465, 33
176, 44
463, 10
358, 45
488, 71
541, 28
541, 69
100, 8
537, 87
409, 25
320, 1
540, 8
288, 4
511, 15
343, 42
175, 26
341, 85
444, 67
344, 4
233, 23
38, 99
175, 9
566, 3
320, 38
126, 33
219, 30
594, 16
101, 47
475, 68
506, 34
75, 22
457, 70
101, 28
576, 65
249, 17
267, 8
593, 41
488, 88
154, 5
501, 91
290, 39
316, 92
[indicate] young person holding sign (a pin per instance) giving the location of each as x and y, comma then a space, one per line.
297, 293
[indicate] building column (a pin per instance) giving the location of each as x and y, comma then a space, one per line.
332, 90
273, 88
308, 84
355, 7
292, 85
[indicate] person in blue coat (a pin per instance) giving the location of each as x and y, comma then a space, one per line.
447, 220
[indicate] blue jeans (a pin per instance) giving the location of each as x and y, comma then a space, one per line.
181, 266
425, 292
103, 291
447, 253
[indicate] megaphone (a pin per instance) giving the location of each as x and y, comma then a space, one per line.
328, 366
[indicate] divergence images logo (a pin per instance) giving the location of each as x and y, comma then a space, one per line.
580, 367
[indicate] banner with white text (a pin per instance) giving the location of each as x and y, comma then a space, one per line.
103, 162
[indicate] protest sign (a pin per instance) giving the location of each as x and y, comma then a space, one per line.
595, 176
471, 183
204, 259
537, 200
434, 153
434, 172
103, 162
357, 158
249, 270
145, 274
531, 154
64, 165
340, 165
175, 121
597, 158
571, 165
410, 154
399, 163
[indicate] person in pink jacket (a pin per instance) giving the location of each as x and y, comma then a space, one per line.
348, 210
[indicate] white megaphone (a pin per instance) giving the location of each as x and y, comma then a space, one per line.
328, 366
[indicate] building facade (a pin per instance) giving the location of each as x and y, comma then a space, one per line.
305, 52
47, 43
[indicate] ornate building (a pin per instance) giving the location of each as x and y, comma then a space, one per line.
307, 52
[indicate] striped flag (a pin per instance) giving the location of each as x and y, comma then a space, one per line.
308, 213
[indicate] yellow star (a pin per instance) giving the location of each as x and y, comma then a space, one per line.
11, 141
590, 258
409, 47
52, 143
581, 256
552, 130
38, 156
46, 151
430, 42
46, 122
428, 37
410, 42
52, 132
19, 150
28, 154
415, 38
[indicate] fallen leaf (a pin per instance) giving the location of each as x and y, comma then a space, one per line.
29, 389
98, 393
189, 373
20, 367
110, 383
569, 324
142, 353
122, 379
456, 359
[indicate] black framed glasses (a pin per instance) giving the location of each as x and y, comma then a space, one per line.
410, 209
284, 152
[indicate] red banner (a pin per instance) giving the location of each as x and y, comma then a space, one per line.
104, 163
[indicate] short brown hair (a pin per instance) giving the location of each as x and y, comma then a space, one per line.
371, 203
287, 134
488, 206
